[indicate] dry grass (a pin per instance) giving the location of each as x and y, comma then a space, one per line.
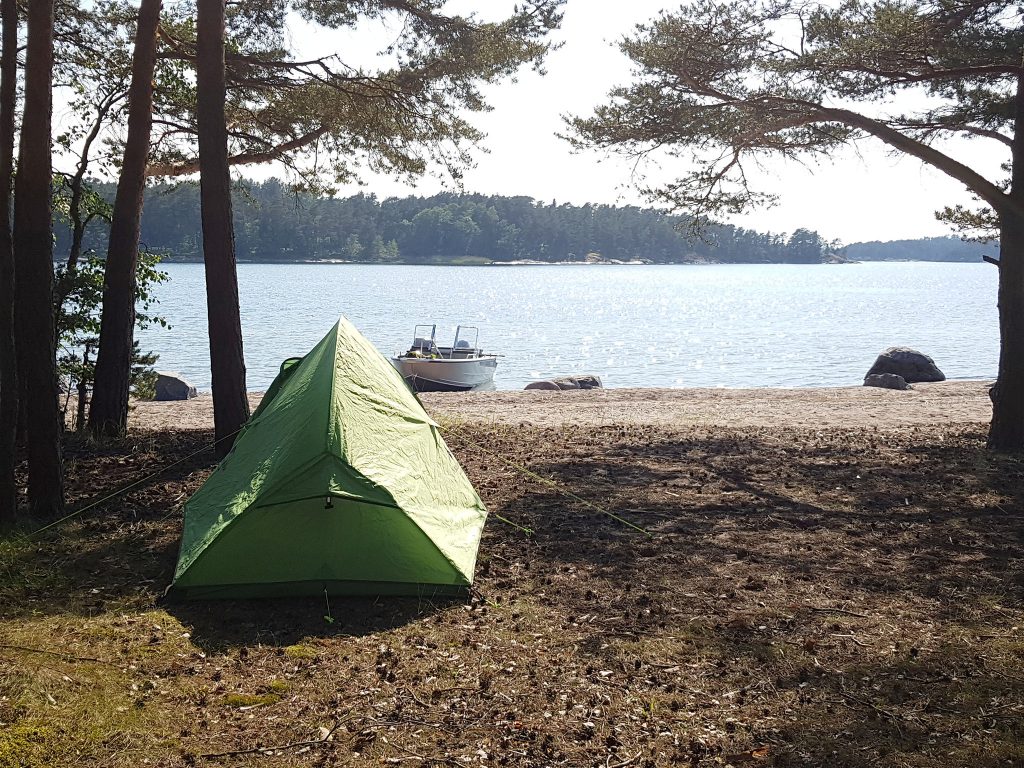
806, 597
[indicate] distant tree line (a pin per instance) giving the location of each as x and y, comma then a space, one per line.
925, 249
275, 223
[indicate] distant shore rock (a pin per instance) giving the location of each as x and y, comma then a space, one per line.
171, 385
912, 365
886, 381
567, 382
837, 258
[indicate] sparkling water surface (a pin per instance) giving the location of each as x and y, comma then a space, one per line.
635, 326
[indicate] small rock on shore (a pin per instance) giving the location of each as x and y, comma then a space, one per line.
886, 381
567, 382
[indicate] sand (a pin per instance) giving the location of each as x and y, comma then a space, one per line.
945, 403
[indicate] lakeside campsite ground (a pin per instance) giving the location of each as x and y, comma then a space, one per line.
831, 577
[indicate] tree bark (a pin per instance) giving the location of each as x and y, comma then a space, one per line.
33, 254
108, 414
1006, 432
8, 368
227, 363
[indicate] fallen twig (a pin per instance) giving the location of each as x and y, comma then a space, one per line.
58, 654
623, 763
852, 638
39, 665
606, 681
445, 759
842, 611
326, 739
264, 750
417, 699
864, 702
408, 751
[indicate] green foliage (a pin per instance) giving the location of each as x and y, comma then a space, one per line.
807, 246
325, 118
328, 118
78, 303
23, 746
92, 60
91, 204
980, 225
720, 85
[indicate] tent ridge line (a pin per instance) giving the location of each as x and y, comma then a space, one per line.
334, 424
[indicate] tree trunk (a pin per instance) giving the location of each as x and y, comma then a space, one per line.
227, 363
83, 391
33, 254
1006, 433
8, 369
108, 414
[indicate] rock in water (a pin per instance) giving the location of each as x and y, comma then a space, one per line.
171, 386
912, 365
568, 382
886, 381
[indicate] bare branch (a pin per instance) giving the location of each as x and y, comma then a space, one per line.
246, 158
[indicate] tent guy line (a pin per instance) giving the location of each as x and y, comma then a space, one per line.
546, 481
123, 490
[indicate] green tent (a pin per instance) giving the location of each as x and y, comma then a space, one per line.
339, 482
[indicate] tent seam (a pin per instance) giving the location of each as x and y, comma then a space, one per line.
333, 418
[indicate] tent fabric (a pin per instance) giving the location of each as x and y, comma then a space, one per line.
339, 482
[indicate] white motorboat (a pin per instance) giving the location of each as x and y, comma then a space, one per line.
428, 367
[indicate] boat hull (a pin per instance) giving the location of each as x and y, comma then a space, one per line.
442, 375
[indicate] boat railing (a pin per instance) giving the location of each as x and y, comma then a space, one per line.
464, 346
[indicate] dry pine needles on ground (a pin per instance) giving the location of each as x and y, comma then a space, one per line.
806, 597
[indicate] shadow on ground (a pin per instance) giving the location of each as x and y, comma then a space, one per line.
804, 597
853, 596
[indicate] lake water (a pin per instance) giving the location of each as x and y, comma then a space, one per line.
635, 326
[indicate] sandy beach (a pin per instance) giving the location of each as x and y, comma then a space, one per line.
950, 402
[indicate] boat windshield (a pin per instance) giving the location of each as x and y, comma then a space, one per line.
464, 345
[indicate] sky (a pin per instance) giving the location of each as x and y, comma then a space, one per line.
865, 193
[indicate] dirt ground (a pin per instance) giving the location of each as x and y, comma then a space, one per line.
685, 577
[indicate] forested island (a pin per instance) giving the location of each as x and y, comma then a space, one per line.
925, 249
274, 223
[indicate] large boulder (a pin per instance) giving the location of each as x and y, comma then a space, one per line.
912, 365
568, 382
172, 386
886, 381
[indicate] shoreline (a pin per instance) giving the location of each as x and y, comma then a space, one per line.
942, 403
